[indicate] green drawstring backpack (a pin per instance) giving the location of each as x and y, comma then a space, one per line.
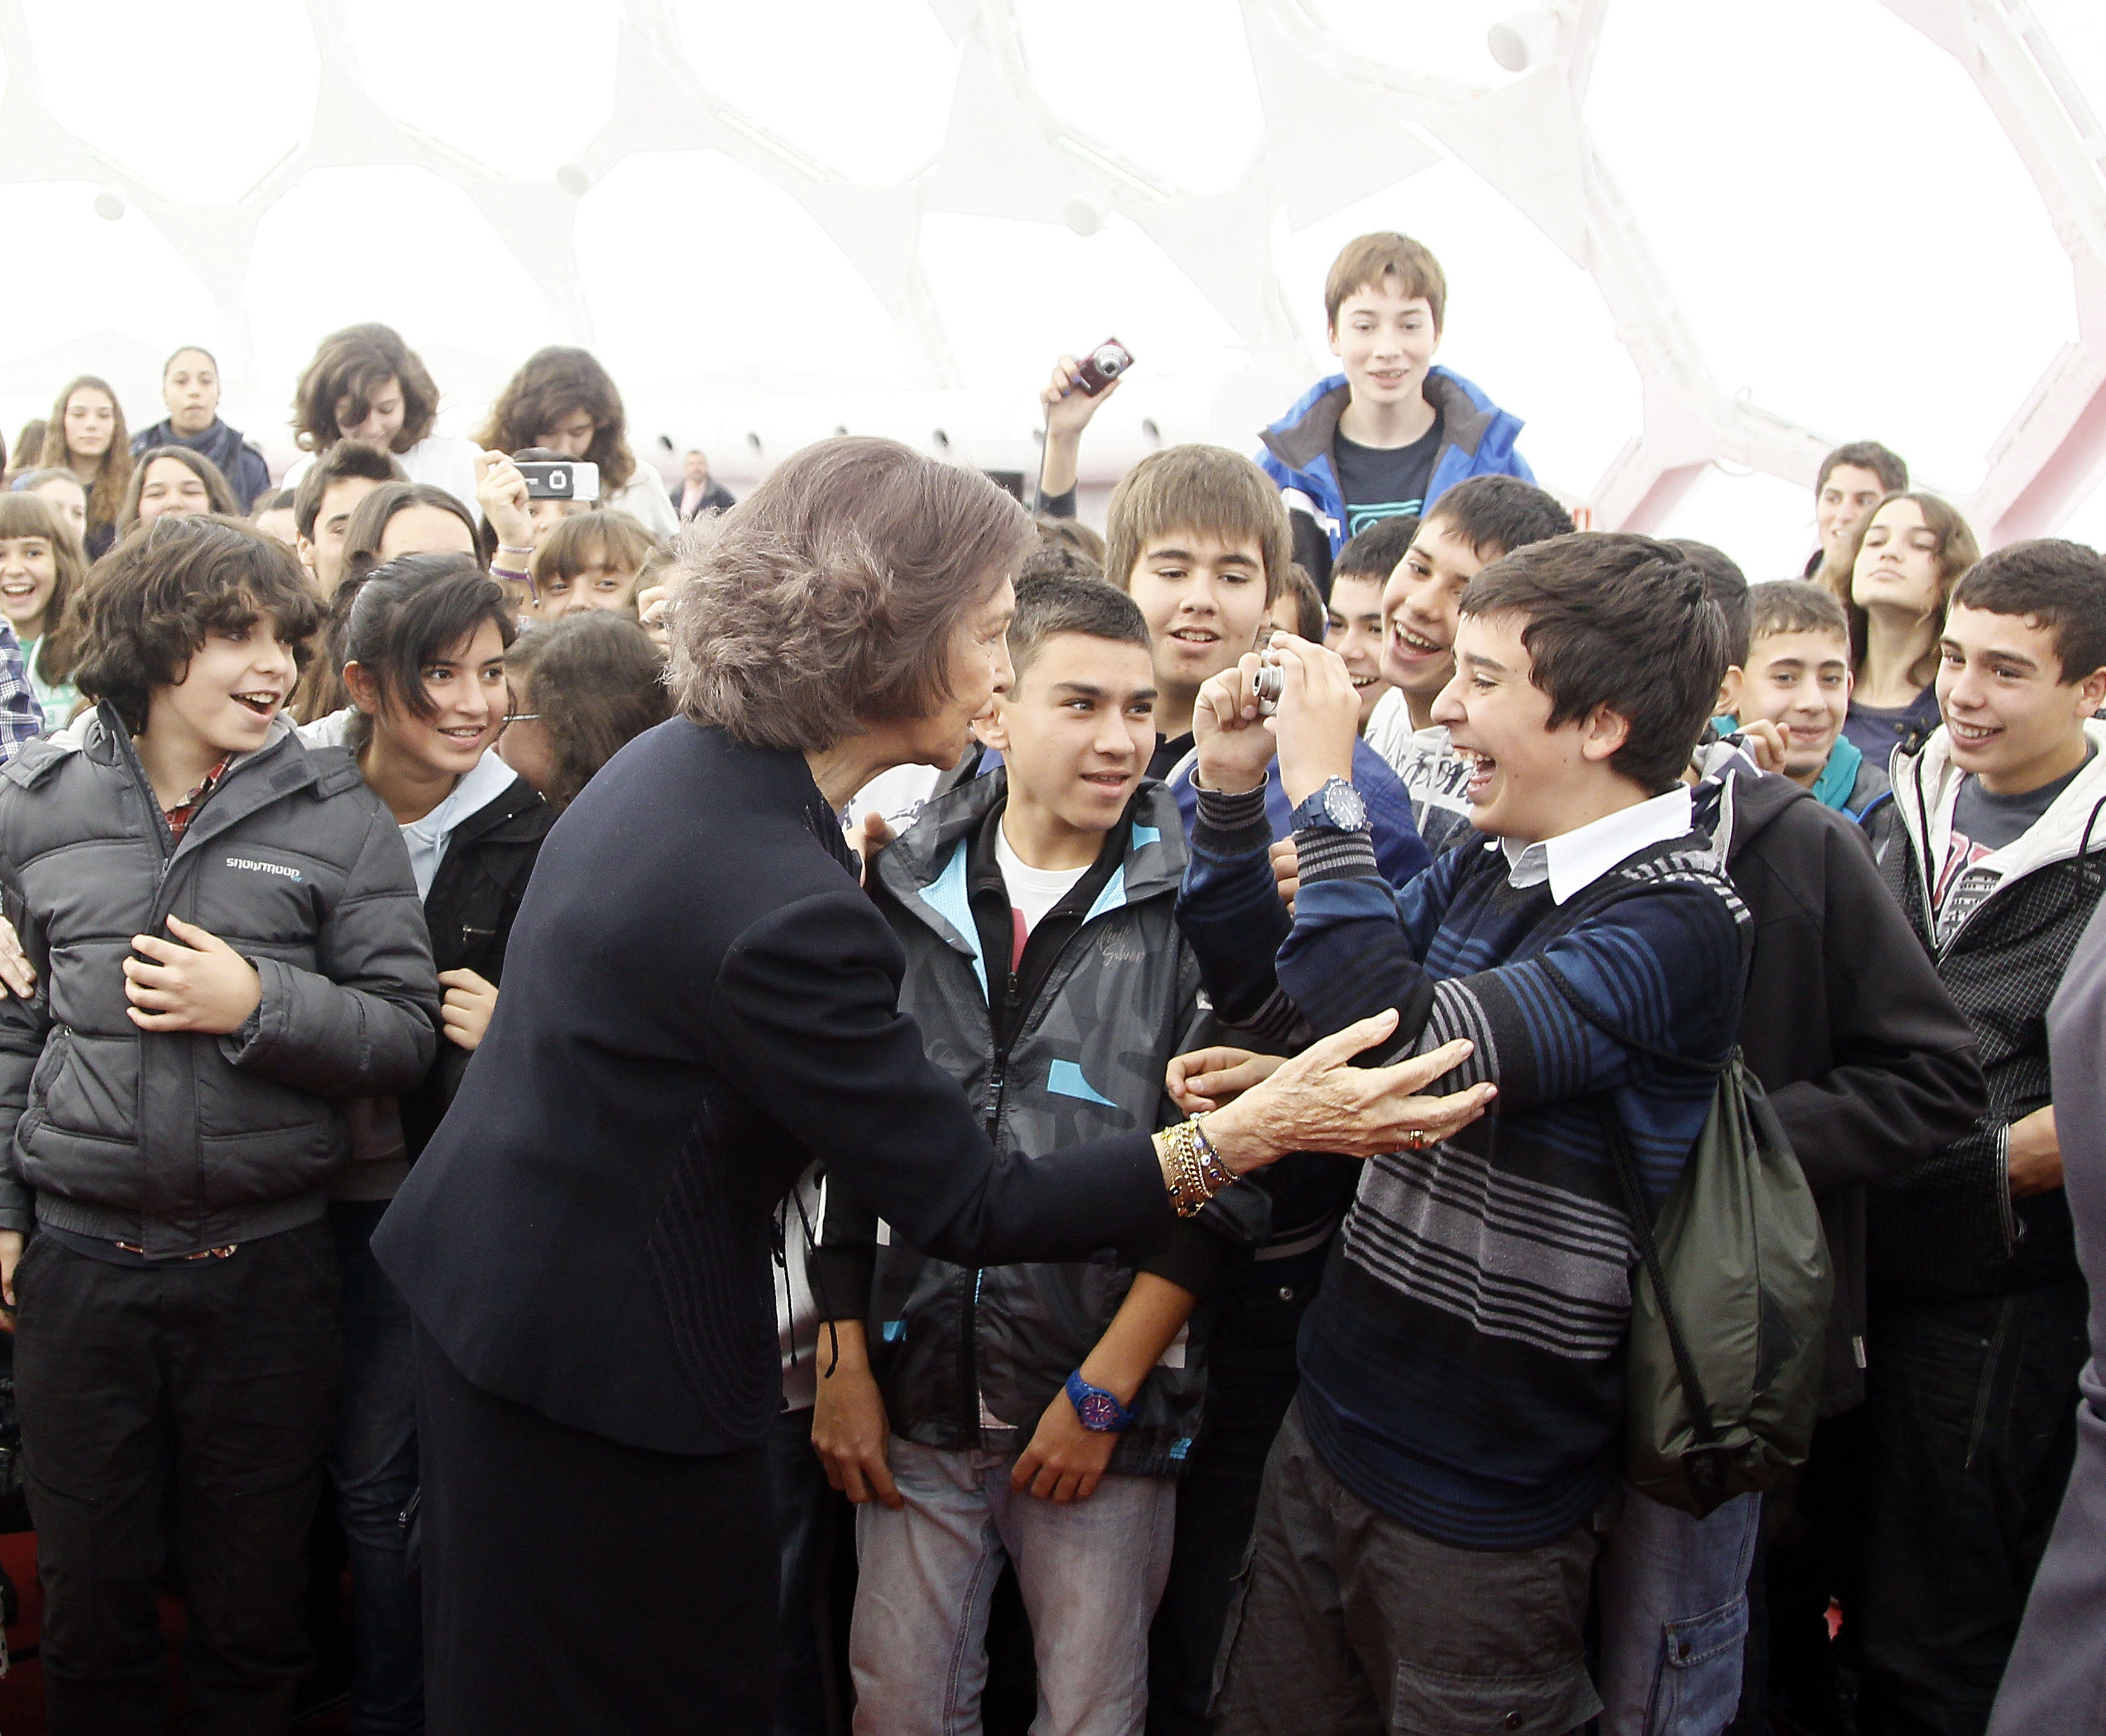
1728, 1331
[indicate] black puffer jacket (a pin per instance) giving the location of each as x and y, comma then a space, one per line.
468, 911
1072, 1047
1949, 1229
181, 1142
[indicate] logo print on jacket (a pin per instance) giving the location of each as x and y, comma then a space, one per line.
256, 867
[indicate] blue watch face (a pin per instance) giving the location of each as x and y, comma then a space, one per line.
1343, 803
1098, 1411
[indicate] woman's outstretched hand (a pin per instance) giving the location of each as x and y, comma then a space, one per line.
1318, 1102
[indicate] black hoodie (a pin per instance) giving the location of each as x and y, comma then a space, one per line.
1868, 1064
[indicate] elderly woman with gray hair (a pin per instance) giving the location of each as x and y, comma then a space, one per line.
700, 1002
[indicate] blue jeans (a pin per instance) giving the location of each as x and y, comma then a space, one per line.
374, 1464
1671, 1592
1089, 1572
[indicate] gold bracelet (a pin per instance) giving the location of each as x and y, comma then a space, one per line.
1216, 1173
1192, 1170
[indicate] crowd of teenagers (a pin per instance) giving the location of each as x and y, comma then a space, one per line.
1098, 1273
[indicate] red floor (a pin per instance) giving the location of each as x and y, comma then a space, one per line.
22, 1689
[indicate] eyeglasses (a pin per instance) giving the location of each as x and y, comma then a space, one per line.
518, 717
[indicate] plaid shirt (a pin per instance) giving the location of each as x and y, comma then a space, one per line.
179, 816
22, 718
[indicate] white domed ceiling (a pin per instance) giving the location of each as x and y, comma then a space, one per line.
1690, 246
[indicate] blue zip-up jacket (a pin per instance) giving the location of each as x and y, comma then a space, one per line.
1477, 440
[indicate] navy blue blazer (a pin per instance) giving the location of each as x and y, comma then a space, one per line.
699, 1001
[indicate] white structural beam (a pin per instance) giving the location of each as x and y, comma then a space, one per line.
2055, 444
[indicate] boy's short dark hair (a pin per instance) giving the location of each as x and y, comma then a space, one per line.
1725, 585
1310, 619
2055, 585
346, 457
1795, 606
1617, 620
152, 599
1207, 489
1366, 261
1053, 605
1866, 454
1496, 515
1372, 553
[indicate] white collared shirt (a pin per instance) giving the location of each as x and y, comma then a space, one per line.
1573, 860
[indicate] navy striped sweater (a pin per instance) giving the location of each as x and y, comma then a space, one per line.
1462, 1369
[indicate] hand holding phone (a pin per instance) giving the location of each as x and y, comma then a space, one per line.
560, 479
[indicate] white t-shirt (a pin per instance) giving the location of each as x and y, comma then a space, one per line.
1032, 891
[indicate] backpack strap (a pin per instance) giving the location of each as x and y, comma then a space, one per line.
1625, 1164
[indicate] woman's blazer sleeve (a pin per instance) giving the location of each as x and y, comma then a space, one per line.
805, 1022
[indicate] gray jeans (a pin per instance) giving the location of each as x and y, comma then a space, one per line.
1348, 1622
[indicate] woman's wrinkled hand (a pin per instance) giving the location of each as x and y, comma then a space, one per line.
1319, 1101
1207, 1078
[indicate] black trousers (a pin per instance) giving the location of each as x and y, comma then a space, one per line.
1251, 1378
1973, 1411
190, 1402
572, 1584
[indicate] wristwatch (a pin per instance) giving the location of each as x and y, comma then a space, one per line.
1099, 1410
1337, 805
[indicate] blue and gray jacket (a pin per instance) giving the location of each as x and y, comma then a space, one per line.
1477, 440
1072, 1045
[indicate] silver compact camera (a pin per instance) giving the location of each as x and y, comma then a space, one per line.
1271, 681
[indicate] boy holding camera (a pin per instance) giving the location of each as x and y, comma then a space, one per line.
1433, 1505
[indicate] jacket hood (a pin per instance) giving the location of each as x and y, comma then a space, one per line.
925, 869
1749, 801
1927, 783
1305, 432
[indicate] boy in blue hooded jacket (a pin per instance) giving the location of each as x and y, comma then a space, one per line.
1388, 435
